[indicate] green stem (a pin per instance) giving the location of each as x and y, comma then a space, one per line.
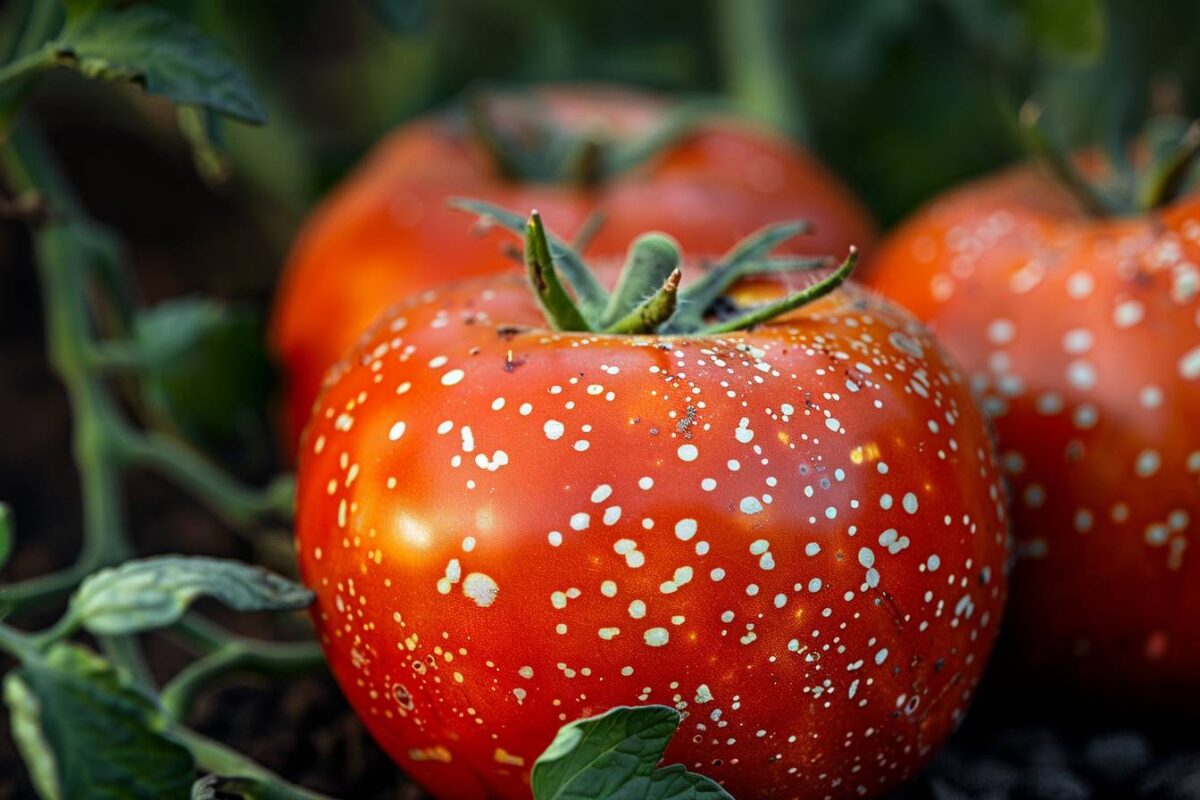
790, 303
588, 230
754, 56
44, 590
558, 306
18, 644
214, 757
1059, 164
237, 655
1165, 184
238, 505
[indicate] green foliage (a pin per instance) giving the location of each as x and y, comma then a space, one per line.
155, 592
167, 331
615, 756
163, 53
1071, 28
208, 371
86, 732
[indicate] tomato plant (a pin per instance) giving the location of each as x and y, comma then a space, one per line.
618, 159
1077, 318
776, 512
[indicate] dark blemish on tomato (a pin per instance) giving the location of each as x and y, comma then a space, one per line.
507, 332
510, 250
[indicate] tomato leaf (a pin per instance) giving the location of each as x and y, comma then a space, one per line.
1074, 29
615, 756
163, 53
166, 331
155, 592
85, 732
206, 369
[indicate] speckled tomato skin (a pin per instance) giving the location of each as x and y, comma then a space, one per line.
386, 232
1083, 337
479, 577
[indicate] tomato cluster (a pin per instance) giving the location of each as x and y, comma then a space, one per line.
387, 232
768, 502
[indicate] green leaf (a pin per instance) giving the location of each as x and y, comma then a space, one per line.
6, 533
1074, 29
155, 592
85, 732
167, 331
24, 719
163, 53
615, 756
209, 373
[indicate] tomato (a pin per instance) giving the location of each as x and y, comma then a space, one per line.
387, 232
1083, 336
795, 534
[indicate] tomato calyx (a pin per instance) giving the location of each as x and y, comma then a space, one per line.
542, 152
648, 297
1173, 145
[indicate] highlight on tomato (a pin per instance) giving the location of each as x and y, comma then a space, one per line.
1071, 298
603, 164
771, 505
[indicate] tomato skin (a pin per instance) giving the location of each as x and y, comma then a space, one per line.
387, 233
1083, 337
469, 608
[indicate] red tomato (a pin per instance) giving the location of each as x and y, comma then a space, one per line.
1082, 336
387, 233
796, 535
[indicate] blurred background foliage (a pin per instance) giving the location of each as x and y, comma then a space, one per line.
903, 98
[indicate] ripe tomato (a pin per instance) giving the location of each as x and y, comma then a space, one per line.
1082, 336
795, 534
387, 232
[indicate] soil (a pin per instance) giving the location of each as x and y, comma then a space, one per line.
1012, 746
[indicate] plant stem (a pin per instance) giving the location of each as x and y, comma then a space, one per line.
62, 260
236, 504
1037, 141
237, 654
1165, 183
756, 64
212, 756
17, 644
